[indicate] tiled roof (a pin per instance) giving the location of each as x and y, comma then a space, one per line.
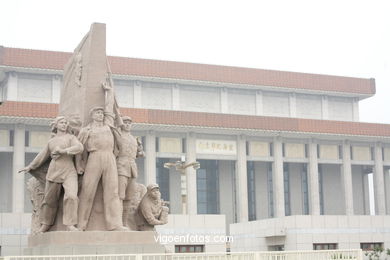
199, 72
196, 119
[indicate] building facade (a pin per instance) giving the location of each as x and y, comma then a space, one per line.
283, 156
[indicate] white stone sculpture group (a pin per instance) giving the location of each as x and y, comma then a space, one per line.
68, 171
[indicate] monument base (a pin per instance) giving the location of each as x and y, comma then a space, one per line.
93, 243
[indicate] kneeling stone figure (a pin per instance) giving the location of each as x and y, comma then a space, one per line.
152, 210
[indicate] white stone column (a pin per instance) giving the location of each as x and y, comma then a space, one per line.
56, 89
241, 181
277, 178
137, 101
346, 178
12, 87
150, 158
259, 103
175, 97
17, 164
379, 186
355, 109
314, 193
192, 202
224, 100
175, 199
325, 107
366, 195
293, 105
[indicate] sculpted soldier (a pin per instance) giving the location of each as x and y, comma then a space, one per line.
129, 149
97, 162
61, 173
152, 210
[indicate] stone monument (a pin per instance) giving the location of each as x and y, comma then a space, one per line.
84, 192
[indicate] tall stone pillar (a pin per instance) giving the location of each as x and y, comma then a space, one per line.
17, 164
347, 178
277, 178
224, 100
12, 87
293, 105
137, 98
56, 88
325, 107
192, 203
241, 181
175, 97
259, 103
379, 186
150, 158
355, 109
314, 193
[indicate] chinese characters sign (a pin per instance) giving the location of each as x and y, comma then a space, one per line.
216, 147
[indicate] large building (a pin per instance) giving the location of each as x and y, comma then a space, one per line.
284, 161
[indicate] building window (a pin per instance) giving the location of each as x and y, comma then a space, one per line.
157, 144
27, 138
184, 145
189, 248
207, 183
11, 137
305, 190
276, 248
251, 191
351, 153
325, 246
286, 181
371, 246
318, 151
270, 188
162, 178
306, 151
340, 152
6, 182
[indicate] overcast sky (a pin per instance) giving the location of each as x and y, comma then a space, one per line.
346, 38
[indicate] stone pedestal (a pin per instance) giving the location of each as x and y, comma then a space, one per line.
93, 243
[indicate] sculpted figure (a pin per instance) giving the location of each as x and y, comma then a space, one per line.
97, 162
129, 149
61, 173
133, 203
152, 210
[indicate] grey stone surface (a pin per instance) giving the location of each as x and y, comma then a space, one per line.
93, 242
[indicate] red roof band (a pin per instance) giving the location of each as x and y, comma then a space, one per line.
197, 119
15, 57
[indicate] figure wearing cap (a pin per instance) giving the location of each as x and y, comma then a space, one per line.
98, 162
152, 210
129, 148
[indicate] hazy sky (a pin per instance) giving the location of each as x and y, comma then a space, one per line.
346, 38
